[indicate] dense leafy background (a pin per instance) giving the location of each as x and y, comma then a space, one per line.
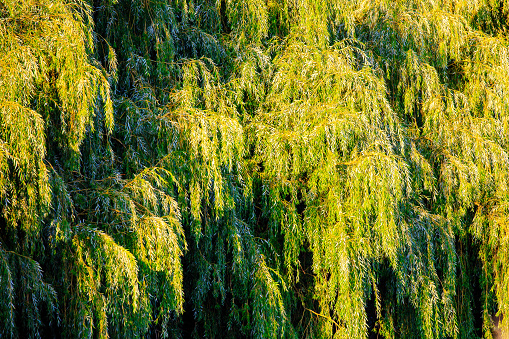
254, 168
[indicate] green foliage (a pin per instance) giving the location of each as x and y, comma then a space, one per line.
293, 168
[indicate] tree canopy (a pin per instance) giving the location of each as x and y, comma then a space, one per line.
254, 168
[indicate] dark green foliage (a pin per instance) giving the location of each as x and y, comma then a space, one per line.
253, 168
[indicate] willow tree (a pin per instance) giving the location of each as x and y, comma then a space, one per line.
253, 168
